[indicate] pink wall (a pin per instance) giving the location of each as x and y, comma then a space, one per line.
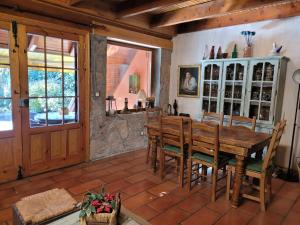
141, 65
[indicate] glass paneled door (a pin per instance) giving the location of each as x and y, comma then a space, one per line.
262, 90
211, 86
10, 116
53, 127
233, 88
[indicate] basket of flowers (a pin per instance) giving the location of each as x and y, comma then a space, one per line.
100, 208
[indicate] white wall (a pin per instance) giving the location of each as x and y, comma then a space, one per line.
189, 48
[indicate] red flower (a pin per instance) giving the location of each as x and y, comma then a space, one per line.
109, 197
100, 209
95, 203
108, 209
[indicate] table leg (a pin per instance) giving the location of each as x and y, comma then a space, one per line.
154, 153
238, 179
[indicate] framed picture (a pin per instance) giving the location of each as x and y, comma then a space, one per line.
134, 83
189, 81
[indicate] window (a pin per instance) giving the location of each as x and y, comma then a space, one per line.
52, 81
5, 84
128, 73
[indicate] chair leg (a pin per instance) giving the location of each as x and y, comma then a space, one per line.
269, 187
162, 166
228, 182
189, 174
181, 172
224, 170
214, 184
204, 172
262, 192
148, 151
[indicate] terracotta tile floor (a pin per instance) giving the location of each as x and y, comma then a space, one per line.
159, 202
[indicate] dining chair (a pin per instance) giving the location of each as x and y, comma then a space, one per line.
204, 151
212, 116
242, 121
172, 143
259, 169
152, 116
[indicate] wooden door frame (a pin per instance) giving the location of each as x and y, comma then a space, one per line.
84, 93
15, 133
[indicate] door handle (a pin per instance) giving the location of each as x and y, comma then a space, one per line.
24, 102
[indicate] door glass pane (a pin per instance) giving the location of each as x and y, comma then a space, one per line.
37, 112
6, 115
257, 72
237, 91
253, 110
5, 82
205, 105
206, 89
36, 82
52, 80
216, 72
227, 108
239, 75
228, 90
70, 110
214, 90
70, 83
266, 92
269, 72
207, 72
255, 91
70, 54
213, 105
54, 52
264, 111
236, 108
4, 47
55, 111
36, 50
54, 83
229, 72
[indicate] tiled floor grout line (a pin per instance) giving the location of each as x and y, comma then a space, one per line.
290, 209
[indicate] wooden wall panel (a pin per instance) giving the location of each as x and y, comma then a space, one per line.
74, 139
38, 148
9, 159
7, 154
58, 145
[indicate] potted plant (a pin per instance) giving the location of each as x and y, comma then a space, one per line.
249, 42
102, 208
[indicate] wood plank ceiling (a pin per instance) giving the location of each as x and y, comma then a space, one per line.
160, 18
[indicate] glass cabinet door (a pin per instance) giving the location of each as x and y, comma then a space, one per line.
211, 83
262, 85
233, 88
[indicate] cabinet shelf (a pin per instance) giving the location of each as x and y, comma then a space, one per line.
245, 87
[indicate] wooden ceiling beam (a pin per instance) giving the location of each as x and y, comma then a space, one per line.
278, 11
207, 10
141, 8
74, 2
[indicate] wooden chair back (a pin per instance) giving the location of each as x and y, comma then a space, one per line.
275, 140
212, 116
243, 120
203, 143
153, 114
171, 131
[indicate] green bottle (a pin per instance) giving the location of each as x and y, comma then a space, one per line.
234, 52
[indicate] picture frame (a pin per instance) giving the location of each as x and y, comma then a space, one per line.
188, 84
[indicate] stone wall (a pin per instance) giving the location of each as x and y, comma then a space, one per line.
109, 135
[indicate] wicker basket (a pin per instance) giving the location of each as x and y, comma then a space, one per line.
104, 218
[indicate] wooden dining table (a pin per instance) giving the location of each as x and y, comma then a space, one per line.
239, 141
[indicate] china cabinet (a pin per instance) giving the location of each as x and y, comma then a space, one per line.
245, 87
